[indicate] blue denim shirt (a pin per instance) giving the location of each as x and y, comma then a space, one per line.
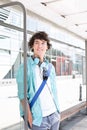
31, 80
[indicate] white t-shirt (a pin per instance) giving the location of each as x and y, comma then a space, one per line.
46, 100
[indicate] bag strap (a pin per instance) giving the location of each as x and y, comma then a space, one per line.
40, 88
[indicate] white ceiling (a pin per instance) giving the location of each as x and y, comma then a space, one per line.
69, 14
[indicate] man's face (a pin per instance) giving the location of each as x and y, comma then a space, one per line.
40, 47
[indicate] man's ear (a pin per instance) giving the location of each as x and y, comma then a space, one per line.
47, 48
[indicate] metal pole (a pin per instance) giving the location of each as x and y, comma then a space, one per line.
80, 92
25, 54
86, 70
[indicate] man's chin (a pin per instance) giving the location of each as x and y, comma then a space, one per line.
40, 55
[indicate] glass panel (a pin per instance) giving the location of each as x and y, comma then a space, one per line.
10, 58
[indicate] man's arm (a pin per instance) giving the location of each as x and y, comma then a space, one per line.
28, 112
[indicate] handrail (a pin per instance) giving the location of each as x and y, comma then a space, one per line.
25, 55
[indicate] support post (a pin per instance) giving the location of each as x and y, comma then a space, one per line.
80, 92
86, 70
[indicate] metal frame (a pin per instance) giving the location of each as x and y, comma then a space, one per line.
25, 54
86, 70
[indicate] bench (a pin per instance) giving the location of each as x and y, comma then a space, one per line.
73, 110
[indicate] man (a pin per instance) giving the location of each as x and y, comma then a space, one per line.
44, 114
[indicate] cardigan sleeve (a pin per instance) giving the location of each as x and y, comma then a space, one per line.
20, 81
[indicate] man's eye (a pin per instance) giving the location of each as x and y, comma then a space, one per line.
43, 43
36, 43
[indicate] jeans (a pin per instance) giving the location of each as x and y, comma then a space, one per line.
50, 122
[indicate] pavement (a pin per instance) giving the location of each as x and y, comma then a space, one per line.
18, 126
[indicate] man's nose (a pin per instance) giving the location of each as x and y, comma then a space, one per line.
40, 45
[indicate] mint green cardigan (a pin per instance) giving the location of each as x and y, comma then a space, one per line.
31, 79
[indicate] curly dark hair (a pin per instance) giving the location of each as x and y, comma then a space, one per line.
39, 35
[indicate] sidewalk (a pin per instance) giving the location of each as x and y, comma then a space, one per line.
18, 126
76, 122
